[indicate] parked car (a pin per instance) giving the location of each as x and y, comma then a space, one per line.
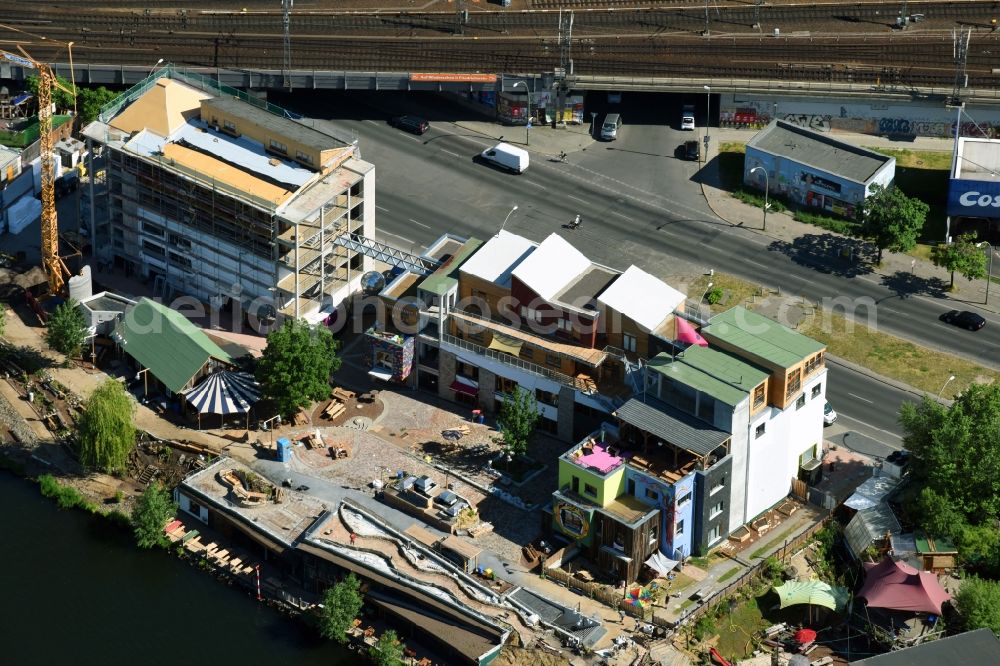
447, 498
687, 117
965, 319
411, 124
692, 150
829, 416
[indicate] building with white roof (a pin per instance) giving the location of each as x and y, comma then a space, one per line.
498, 259
551, 267
218, 197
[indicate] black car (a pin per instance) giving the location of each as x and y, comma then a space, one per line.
410, 124
965, 319
692, 150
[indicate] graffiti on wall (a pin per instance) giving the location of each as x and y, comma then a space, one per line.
571, 520
812, 121
744, 118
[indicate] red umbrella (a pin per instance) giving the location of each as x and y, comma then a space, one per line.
803, 636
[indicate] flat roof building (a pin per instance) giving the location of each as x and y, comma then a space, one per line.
814, 169
218, 197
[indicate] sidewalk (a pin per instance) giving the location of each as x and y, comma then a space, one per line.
901, 272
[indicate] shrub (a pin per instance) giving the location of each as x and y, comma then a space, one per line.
834, 224
66, 497
714, 295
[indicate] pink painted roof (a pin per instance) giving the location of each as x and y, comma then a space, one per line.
600, 460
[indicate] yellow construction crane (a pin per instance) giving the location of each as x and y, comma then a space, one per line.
51, 261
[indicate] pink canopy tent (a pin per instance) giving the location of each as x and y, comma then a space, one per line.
686, 333
898, 586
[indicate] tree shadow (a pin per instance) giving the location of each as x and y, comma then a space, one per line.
828, 253
24, 359
905, 284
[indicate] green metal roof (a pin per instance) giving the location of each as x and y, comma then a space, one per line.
165, 342
927, 545
446, 277
761, 337
718, 374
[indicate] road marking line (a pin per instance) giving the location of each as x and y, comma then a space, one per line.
576, 197
451, 153
620, 214
855, 395
538, 185
869, 425
384, 210
420, 224
402, 238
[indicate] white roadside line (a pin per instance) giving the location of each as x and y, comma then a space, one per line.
384, 210
451, 153
420, 224
402, 238
855, 395
875, 428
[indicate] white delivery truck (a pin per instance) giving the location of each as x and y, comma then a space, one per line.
687, 117
507, 156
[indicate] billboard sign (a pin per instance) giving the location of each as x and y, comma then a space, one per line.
453, 77
974, 198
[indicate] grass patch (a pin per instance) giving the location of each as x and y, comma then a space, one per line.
835, 224
733, 147
729, 574
734, 291
736, 629
700, 562
923, 368
756, 199
924, 174
66, 497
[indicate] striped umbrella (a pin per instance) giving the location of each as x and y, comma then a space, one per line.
224, 393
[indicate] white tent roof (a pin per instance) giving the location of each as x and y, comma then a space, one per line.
553, 265
641, 297
497, 259
660, 563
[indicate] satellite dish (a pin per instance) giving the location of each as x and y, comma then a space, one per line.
372, 283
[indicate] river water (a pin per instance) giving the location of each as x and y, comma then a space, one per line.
77, 591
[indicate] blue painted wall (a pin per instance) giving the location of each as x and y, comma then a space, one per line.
666, 499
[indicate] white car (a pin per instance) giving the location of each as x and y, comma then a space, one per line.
829, 416
687, 123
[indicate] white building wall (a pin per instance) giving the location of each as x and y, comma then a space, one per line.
740, 455
192, 508
774, 457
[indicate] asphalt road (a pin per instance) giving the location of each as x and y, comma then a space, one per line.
640, 205
865, 405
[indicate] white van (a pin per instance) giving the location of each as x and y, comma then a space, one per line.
507, 156
612, 125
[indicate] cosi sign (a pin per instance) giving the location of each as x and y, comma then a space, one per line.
974, 198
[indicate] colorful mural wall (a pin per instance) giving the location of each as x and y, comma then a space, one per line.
572, 520
675, 502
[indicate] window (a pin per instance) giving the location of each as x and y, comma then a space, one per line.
760, 430
179, 260
229, 126
816, 390
589, 490
153, 229
527, 353
716, 510
628, 342
801, 402
714, 534
679, 530
179, 242
466, 370
505, 386
758, 397
718, 486
303, 157
553, 360
565, 325
478, 295
547, 398
683, 499
153, 249
278, 147
814, 363
652, 494
793, 382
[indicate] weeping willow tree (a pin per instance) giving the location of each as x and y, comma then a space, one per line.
107, 433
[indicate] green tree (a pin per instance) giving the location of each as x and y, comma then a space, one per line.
296, 366
963, 256
67, 329
341, 605
62, 99
978, 604
387, 651
892, 220
106, 430
90, 101
3, 319
151, 513
519, 416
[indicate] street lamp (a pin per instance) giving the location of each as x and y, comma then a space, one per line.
527, 128
273, 419
948, 381
155, 65
989, 271
145, 381
708, 113
766, 190
507, 218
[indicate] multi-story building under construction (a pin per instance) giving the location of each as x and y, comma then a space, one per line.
218, 195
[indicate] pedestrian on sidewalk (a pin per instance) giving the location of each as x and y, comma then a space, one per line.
353, 538
621, 617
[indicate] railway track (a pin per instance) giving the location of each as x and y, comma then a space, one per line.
653, 42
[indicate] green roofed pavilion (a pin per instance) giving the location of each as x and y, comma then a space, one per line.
761, 337
723, 376
166, 343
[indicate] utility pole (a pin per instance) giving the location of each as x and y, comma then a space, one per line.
286, 21
960, 53
756, 13
565, 62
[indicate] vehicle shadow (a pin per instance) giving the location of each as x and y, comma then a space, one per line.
905, 284
827, 253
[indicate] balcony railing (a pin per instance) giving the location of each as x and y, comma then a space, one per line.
514, 362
